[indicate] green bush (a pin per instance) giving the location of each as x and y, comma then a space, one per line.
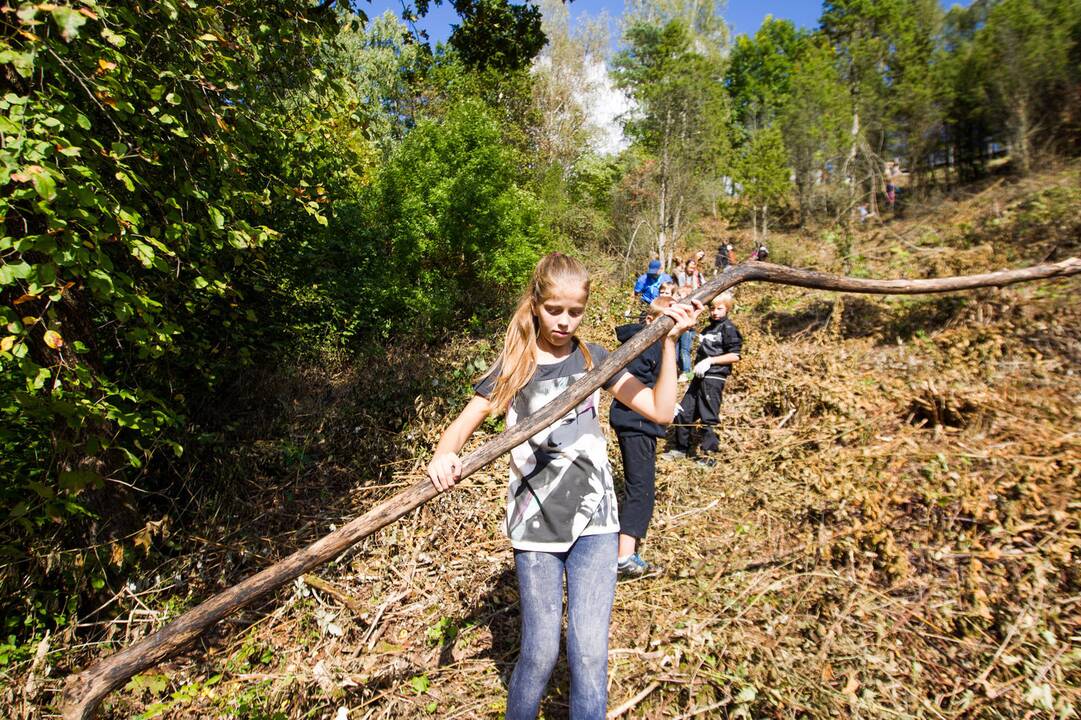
452, 228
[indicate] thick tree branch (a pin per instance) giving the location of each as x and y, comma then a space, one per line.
85, 690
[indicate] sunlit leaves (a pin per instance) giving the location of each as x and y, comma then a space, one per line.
69, 20
456, 220
53, 339
138, 119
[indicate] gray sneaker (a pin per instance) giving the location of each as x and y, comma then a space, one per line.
674, 455
636, 567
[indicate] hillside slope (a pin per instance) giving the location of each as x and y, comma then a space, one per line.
893, 531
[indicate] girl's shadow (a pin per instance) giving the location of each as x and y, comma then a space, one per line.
499, 612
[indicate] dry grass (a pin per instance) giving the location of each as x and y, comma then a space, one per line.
893, 531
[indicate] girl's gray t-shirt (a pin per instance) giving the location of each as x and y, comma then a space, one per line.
560, 479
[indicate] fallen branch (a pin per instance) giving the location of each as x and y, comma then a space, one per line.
85, 690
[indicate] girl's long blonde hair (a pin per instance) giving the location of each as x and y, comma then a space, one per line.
518, 361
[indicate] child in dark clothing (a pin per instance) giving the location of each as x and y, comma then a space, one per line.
638, 448
718, 350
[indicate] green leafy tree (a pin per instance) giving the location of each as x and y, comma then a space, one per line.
565, 78
861, 33
703, 22
1027, 45
494, 34
889, 60
760, 70
681, 123
917, 92
969, 119
814, 119
378, 69
450, 215
135, 219
763, 175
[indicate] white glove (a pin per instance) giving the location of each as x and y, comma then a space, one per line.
702, 366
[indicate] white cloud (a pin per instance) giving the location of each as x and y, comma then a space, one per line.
604, 104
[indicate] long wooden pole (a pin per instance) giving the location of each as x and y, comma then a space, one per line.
85, 690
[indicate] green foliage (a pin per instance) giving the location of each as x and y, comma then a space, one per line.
443, 632
376, 68
420, 684
816, 117
760, 71
680, 100
679, 129
134, 222
451, 217
494, 34
1027, 45
762, 171
576, 210
497, 34
187, 190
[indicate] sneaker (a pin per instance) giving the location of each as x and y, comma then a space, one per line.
635, 567
706, 463
673, 455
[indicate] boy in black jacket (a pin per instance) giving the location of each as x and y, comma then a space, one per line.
718, 349
638, 447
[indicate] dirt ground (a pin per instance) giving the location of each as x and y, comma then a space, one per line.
892, 532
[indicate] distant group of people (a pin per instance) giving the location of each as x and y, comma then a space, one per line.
719, 348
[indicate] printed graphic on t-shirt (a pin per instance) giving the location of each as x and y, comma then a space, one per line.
560, 480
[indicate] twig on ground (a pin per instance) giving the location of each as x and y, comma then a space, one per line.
631, 703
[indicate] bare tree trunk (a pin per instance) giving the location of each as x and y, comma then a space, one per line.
1022, 131
85, 690
676, 216
630, 245
662, 209
846, 175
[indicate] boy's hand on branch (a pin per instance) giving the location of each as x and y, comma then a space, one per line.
444, 471
685, 317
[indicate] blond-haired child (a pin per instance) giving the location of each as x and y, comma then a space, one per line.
718, 350
561, 506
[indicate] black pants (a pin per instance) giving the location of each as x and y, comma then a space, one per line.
639, 452
701, 402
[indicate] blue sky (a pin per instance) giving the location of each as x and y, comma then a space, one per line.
745, 16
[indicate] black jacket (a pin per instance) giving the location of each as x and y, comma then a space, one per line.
644, 367
720, 338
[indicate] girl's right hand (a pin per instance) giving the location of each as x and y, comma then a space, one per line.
685, 316
444, 471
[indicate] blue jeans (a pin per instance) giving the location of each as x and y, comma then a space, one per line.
590, 568
684, 347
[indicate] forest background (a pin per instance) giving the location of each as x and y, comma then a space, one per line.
195, 195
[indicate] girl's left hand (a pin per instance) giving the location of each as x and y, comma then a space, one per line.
685, 316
